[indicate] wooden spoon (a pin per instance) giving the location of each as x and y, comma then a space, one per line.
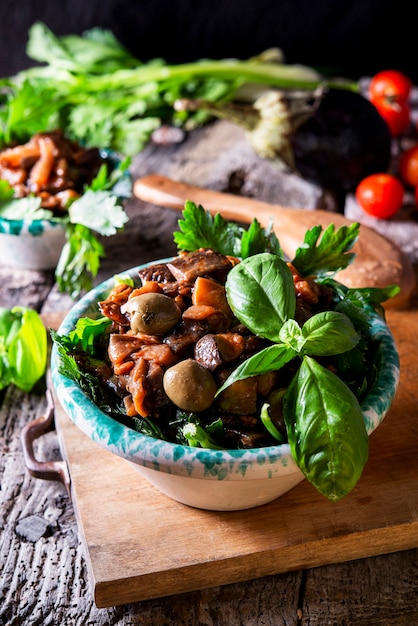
378, 263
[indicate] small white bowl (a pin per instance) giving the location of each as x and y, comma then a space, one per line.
37, 244
221, 480
28, 244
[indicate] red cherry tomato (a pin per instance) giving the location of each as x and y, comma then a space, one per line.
397, 115
408, 166
380, 195
390, 85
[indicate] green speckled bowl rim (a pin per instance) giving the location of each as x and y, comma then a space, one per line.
34, 228
182, 460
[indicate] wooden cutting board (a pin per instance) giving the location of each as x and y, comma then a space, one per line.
142, 545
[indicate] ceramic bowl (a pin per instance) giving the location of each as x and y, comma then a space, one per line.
222, 480
28, 244
37, 244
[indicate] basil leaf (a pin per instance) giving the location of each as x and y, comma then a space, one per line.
6, 190
6, 320
261, 294
329, 332
270, 359
326, 430
291, 334
23, 347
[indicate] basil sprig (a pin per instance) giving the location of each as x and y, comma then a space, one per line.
326, 430
323, 417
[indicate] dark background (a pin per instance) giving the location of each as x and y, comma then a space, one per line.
352, 37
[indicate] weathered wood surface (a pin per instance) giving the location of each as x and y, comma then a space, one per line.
43, 574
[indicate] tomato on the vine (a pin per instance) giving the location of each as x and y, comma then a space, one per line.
380, 195
408, 166
390, 85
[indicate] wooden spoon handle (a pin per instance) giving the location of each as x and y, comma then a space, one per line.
291, 223
379, 262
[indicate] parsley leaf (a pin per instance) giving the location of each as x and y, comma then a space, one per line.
97, 51
329, 255
79, 261
85, 336
92, 88
198, 229
258, 239
98, 210
28, 208
31, 107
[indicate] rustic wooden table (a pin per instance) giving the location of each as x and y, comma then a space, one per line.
44, 571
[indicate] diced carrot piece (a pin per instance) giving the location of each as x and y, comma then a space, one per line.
210, 293
198, 312
230, 345
160, 354
119, 293
150, 286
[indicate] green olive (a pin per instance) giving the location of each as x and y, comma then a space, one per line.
152, 313
189, 386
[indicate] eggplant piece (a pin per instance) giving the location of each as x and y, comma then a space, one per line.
187, 268
344, 141
211, 350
